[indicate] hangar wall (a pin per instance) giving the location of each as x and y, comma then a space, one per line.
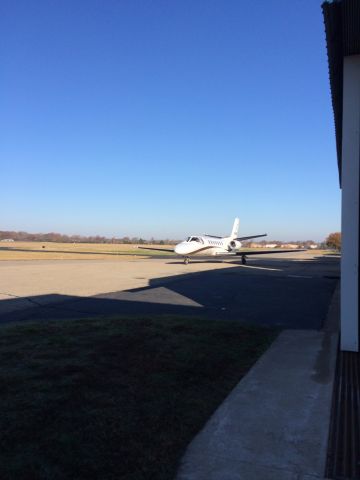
350, 204
342, 27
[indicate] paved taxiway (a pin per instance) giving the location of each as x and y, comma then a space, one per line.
288, 290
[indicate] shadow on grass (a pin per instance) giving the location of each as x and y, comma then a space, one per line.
116, 398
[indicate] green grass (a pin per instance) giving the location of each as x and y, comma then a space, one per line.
116, 398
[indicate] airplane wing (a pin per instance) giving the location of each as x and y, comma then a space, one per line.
251, 236
159, 249
267, 252
240, 238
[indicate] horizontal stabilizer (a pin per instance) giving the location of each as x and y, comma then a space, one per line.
158, 249
251, 236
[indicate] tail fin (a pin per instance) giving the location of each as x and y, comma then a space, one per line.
235, 229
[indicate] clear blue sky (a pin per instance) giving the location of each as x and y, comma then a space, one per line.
165, 118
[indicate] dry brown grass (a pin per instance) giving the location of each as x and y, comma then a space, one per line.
85, 251
71, 251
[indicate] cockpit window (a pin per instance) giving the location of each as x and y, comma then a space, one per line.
194, 239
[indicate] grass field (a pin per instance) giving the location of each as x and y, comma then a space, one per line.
116, 398
73, 251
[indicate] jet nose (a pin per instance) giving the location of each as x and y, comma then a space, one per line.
180, 248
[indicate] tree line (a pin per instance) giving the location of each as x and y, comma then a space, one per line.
62, 238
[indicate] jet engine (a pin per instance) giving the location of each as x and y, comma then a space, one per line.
234, 245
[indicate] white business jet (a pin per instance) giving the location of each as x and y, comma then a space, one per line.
218, 246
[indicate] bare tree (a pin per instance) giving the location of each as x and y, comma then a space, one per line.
334, 241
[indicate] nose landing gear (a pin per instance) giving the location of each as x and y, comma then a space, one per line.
243, 260
186, 260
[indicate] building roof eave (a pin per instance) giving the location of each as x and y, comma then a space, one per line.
342, 28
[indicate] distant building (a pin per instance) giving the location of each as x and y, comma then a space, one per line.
289, 245
7, 240
313, 246
270, 245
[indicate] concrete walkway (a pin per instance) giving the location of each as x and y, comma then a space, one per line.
274, 425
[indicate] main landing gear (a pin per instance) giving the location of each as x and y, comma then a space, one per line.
186, 260
243, 260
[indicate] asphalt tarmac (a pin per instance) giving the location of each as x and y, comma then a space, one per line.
288, 290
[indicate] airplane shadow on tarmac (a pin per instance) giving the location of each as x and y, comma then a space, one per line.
284, 293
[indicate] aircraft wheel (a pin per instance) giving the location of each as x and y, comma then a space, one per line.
186, 260
243, 260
